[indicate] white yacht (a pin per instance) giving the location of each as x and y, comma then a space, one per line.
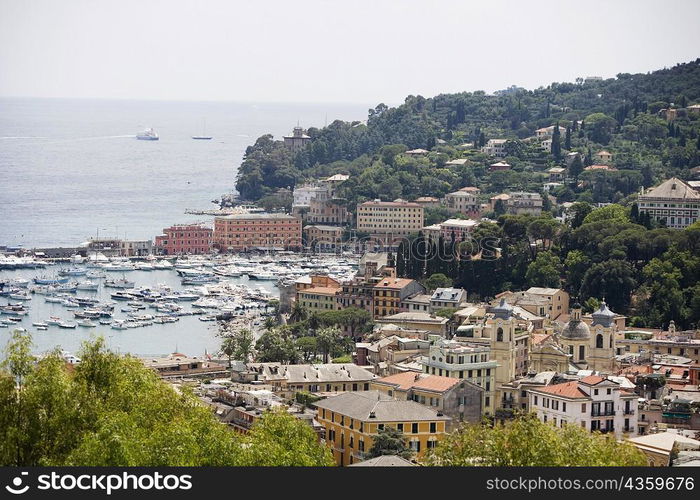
147, 135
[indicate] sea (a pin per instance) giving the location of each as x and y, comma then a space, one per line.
72, 169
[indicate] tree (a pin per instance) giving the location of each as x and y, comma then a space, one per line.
437, 280
600, 127
308, 348
576, 265
544, 271
228, 348
579, 211
110, 410
567, 138
280, 439
612, 280
556, 142
299, 313
575, 167
525, 441
237, 344
610, 213
390, 441
276, 345
326, 340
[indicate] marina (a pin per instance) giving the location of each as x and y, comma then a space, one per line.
163, 306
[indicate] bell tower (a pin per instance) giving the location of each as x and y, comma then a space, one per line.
501, 328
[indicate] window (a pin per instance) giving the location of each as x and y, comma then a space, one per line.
599, 341
433, 427
399, 427
499, 335
414, 428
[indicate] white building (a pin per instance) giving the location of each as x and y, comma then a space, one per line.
594, 403
449, 358
305, 194
447, 298
674, 203
463, 202
495, 147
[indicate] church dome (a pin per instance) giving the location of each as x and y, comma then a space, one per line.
576, 330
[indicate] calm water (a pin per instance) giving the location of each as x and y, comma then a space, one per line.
71, 168
189, 335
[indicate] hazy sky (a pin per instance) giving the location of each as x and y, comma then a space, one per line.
365, 51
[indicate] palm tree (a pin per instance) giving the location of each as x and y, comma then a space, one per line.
298, 313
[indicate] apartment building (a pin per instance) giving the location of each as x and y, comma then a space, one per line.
323, 238
353, 420
458, 399
594, 403
252, 231
494, 147
389, 221
464, 201
184, 239
544, 302
464, 361
388, 293
287, 380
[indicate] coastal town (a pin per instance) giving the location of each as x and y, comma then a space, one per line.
354, 346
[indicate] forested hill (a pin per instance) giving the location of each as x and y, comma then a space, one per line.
622, 115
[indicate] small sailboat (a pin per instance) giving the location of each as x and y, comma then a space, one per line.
204, 136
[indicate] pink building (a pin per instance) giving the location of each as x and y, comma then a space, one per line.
185, 239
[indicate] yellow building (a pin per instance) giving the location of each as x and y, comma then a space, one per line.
318, 293
353, 420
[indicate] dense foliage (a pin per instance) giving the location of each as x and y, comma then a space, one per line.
527, 442
111, 410
620, 114
649, 274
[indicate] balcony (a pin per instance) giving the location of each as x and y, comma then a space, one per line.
629, 411
602, 413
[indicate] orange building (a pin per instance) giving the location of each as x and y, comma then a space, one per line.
242, 232
389, 292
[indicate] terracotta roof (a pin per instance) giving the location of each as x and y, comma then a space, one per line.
393, 283
592, 380
322, 290
538, 338
411, 380
567, 390
379, 203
